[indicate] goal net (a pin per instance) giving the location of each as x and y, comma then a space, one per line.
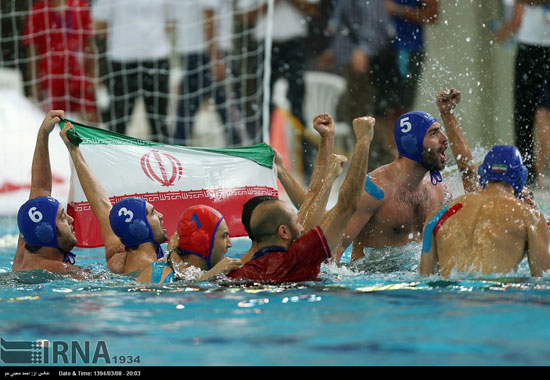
176, 71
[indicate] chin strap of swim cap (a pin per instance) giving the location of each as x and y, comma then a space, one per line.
435, 177
68, 257
160, 251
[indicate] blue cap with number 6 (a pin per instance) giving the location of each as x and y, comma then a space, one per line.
36, 221
409, 132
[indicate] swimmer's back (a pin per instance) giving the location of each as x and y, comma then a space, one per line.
489, 234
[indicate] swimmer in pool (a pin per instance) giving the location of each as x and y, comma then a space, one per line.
399, 196
489, 231
197, 251
47, 234
131, 230
312, 209
203, 237
285, 253
328, 166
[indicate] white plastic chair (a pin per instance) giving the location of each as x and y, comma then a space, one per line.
323, 92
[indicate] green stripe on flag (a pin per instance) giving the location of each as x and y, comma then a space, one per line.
262, 153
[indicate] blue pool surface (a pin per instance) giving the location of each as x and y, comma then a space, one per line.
352, 316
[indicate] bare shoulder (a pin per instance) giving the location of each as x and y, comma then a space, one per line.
376, 191
146, 275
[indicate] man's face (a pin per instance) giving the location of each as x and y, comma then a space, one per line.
222, 243
155, 221
66, 237
296, 229
435, 145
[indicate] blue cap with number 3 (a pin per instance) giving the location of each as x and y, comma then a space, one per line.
409, 132
128, 219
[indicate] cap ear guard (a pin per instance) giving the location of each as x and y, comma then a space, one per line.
409, 143
139, 229
45, 233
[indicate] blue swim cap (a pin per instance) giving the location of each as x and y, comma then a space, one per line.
503, 163
409, 132
128, 219
36, 221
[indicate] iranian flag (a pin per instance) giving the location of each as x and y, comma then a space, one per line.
170, 177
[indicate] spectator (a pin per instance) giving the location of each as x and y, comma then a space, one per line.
137, 50
361, 51
59, 38
531, 83
204, 43
408, 18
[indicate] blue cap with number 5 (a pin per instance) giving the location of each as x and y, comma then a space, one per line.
409, 132
36, 221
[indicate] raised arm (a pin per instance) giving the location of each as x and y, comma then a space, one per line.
335, 221
368, 206
446, 102
324, 125
41, 171
429, 259
115, 253
295, 191
314, 206
537, 244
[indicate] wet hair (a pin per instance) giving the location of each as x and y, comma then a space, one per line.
31, 248
271, 216
248, 207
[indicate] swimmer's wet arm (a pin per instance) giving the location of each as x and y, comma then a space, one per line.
324, 125
99, 202
335, 221
41, 172
294, 190
538, 239
446, 101
314, 207
225, 266
429, 259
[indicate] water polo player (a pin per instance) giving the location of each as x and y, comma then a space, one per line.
131, 230
491, 230
399, 196
47, 235
197, 251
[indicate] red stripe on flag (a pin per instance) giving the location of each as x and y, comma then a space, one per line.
229, 202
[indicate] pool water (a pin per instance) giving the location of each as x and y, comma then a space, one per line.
351, 316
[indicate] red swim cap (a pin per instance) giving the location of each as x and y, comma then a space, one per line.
197, 229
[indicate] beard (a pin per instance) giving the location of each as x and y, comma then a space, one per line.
431, 159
